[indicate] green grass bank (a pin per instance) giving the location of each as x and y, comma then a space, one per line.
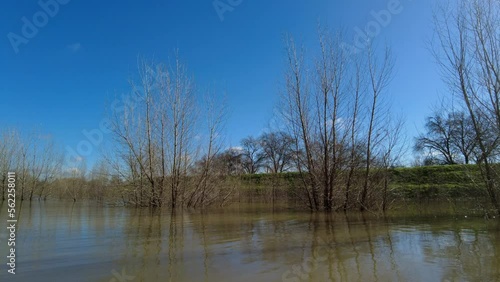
426, 182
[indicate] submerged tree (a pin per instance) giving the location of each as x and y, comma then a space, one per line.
156, 137
380, 75
206, 187
337, 117
35, 159
157, 131
9, 153
467, 50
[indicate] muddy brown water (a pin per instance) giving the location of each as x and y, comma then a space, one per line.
85, 242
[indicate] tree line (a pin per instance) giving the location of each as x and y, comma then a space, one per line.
450, 139
271, 152
35, 159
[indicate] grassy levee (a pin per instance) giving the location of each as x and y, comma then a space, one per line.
412, 184
453, 181
427, 182
260, 187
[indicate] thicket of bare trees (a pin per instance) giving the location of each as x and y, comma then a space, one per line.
278, 151
335, 109
449, 139
156, 139
271, 152
208, 178
252, 156
35, 160
8, 153
467, 48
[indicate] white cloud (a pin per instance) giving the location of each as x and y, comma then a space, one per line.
75, 47
236, 149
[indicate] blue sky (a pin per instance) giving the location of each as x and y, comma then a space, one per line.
60, 80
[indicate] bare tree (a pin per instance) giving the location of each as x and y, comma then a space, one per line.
467, 49
331, 88
252, 154
158, 142
178, 121
207, 181
297, 116
358, 87
99, 181
450, 138
438, 139
51, 166
393, 147
35, 159
75, 183
278, 151
229, 162
23, 165
464, 138
156, 133
380, 75
9, 153
324, 112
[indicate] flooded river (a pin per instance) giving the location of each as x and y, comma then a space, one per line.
82, 242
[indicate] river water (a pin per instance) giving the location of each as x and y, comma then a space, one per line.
83, 242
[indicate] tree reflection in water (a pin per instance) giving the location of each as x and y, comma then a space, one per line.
250, 243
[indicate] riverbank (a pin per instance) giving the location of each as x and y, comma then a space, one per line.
426, 182
403, 185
